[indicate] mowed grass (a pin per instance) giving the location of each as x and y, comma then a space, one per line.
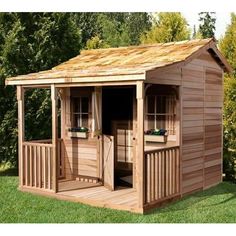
215, 205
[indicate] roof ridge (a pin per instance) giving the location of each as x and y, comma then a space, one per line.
84, 51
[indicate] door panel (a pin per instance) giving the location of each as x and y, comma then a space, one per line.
108, 161
124, 141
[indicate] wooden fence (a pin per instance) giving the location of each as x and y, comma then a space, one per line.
162, 174
37, 169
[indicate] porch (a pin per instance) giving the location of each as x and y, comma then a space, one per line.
93, 169
161, 179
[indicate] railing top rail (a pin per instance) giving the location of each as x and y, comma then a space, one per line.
37, 144
161, 149
40, 141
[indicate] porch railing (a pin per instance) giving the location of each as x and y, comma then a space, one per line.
162, 174
37, 164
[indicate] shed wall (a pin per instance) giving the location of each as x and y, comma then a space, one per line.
202, 99
201, 86
81, 156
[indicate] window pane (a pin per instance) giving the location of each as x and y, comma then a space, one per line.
151, 124
85, 103
161, 104
160, 122
76, 105
151, 102
84, 120
76, 121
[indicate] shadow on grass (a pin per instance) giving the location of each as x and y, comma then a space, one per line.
9, 172
196, 198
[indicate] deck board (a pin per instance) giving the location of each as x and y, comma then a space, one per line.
98, 195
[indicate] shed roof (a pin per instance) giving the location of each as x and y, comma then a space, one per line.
123, 61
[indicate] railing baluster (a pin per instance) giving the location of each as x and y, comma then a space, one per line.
177, 170
156, 176
39, 167
159, 175
44, 168
35, 166
49, 167
152, 188
148, 178
30, 164
26, 165
170, 172
162, 174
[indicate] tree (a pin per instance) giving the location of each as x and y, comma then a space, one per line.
95, 42
227, 46
169, 27
31, 42
122, 29
113, 29
136, 24
207, 24
229, 127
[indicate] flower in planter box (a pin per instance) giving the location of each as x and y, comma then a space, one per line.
161, 132
79, 129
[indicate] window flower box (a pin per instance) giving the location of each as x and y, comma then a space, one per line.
157, 135
80, 132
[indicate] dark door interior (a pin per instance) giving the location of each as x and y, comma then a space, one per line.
117, 116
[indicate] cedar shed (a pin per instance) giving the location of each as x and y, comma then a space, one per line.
139, 126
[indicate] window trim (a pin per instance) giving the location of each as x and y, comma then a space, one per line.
155, 114
80, 113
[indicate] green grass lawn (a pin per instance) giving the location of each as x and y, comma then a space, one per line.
216, 205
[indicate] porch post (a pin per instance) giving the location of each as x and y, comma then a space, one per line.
54, 139
21, 131
140, 143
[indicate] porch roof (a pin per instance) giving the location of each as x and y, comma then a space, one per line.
121, 64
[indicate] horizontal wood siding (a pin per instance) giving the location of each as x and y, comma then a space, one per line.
80, 155
192, 127
202, 124
213, 127
81, 158
168, 77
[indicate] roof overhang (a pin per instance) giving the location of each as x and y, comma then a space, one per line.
211, 48
76, 80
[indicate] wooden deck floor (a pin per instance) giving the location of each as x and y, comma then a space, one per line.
92, 194
97, 195
69, 185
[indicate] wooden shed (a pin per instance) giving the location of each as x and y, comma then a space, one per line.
139, 125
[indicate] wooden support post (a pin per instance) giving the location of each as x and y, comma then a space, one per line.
63, 112
21, 131
140, 143
55, 165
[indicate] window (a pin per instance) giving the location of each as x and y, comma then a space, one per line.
160, 112
80, 111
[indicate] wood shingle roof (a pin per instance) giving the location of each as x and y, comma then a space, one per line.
125, 61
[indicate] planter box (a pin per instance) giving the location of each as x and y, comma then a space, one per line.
78, 134
155, 138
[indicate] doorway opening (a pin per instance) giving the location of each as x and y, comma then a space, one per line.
117, 121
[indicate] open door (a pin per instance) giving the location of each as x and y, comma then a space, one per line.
108, 162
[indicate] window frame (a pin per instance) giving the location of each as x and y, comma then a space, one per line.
80, 113
155, 114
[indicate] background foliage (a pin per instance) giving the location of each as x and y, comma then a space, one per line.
167, 27
30, 42
227, 45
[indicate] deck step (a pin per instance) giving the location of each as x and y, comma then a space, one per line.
87, 179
